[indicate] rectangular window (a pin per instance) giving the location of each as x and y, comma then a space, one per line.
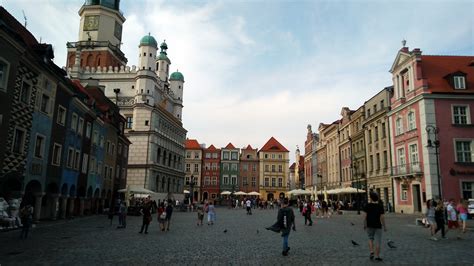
129, 122
214, 166
112, 150
207, 166
273, 168
119, 149
70, 158
254, 181
280, 182
234, 180
3, 75
56, 158
385, 159
413, 153
267, 167
196, 155
25, 92
464, 151
411, 121
61, 118
461, 115
404, 191
234, 167
45, 104
214, 180
188, 154
85, 161
273, 182
196, 168
39, 146
375, 108
254, 167
101, 141
280, 168
371, 161
214, 155
398, 127
467, 190
99, 169
19, 141
267, 180
77, 159
377, 160
207, 180
245, 167
80, 126
459, 82
188, 168
88, 130
382, 104
208, 155
376, 133
225, 155
226, 180
93, 165
74, 122
235, 155
384, 135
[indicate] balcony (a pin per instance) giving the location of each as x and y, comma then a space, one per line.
407, 170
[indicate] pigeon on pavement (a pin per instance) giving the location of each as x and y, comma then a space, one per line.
391, 244
352, 223
225, 231
354, 243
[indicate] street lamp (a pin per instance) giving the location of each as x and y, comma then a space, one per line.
357, 186
320, 176
430, 129
191, 186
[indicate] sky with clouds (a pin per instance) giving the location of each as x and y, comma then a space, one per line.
256, 69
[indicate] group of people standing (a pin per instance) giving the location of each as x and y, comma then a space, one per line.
208, 208
438, 211
164, 211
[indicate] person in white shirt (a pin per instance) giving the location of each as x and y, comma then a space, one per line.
248, 203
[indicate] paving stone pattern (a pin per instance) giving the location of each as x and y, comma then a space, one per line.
91, 241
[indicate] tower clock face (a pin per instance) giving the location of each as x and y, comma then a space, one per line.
91, 23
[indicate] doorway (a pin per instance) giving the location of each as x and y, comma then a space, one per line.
416, 198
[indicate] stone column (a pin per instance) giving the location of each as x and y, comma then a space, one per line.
37, 210
81, 207
54, 206
63, 206
71, 202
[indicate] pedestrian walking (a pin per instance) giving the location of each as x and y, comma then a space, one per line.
161, 216
200, 214
285, 222
452, 217
211, 213
325, 209
146, 213
122, 215
439, 218
462, 210
374, 220
248, 203
169, 212
430, 217
307, 214
26, 216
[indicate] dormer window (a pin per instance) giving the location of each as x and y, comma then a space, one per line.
459, 82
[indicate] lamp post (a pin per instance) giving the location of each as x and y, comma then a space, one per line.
191, 186
430, 129
357, 186
320, 176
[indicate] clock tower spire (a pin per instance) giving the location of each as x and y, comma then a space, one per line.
100, 35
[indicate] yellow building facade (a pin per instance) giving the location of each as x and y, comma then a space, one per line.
273, 163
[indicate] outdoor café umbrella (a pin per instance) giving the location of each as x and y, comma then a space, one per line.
186, 191
226, 192
253, 193
240, 193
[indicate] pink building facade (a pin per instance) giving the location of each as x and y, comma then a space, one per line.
431, 109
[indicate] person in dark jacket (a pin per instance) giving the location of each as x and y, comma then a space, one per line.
285, 222
169, 212
439, 218
307, 214
146, 212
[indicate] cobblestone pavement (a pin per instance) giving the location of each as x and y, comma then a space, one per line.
91, 241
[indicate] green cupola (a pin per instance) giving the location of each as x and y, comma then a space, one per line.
177, 76
148, 40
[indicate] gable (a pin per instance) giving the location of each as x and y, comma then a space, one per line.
401, 58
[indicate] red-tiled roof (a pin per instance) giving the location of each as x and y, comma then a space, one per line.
273, 145
292, 167
248, 148
436, 68
230, 146
192, 144
212, 148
